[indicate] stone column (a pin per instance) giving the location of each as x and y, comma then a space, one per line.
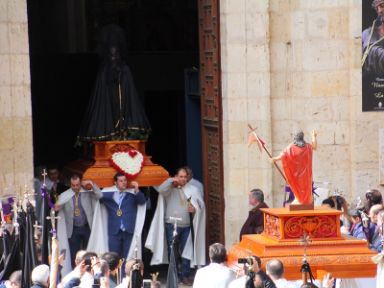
16, 152
245, 99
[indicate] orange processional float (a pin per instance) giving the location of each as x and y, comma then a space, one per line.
284, 229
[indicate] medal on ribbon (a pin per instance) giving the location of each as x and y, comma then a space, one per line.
77, 212
119, 212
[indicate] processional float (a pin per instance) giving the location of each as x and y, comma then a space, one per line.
328, 251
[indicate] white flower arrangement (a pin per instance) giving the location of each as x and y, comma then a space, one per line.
130, 162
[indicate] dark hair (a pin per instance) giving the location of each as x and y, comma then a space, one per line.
217, 253
373, 197
87, 259
329, 201
275, 268
112, 259
75, 176
257, 194
117, 175
182, 169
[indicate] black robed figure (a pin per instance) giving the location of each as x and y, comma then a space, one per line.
115, 111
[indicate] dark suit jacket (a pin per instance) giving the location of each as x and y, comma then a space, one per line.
129, 208
255, 221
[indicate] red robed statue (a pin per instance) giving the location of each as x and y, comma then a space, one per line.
296, 159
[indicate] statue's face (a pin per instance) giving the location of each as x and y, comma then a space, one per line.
114, 54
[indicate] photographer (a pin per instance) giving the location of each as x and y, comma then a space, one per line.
216, 274
252, 275
134, 270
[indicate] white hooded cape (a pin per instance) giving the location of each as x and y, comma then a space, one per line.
156, 240
98, 241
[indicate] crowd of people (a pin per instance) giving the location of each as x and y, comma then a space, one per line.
99, 233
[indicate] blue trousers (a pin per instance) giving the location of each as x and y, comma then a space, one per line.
120, 243
182, 234
78, 241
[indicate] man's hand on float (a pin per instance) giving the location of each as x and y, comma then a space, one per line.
135, 186
87, 184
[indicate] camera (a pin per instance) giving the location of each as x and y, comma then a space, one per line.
247, 260
147, 283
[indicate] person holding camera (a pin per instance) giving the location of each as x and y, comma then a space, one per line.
362, 227
252, 275
216, 274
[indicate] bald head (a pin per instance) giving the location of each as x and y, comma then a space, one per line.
275, 269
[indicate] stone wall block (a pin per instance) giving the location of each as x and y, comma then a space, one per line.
257, 58
4, 11
233, 58
281, 108
308, 5
332, 157
355, 22
298, 25
5, 101
279, 26
20, 98
20, 69
4, 40
234, 85
232, 6
236, 182
237, 132
234, 28
258, 84
317, 24
258, 110
329, 83
355, 53
339, 27
236, 156
237, 110
257, 30
6, 142
5, 70
325, 55
18, 38
17, 11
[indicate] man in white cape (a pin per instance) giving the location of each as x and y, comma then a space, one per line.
173, 193
76, 210
99, 241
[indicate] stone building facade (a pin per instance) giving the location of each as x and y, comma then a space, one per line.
16, 145
285, 64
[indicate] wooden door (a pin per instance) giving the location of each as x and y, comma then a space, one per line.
211, 115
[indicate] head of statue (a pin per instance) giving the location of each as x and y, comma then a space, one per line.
378, 5
298, 138
115, 56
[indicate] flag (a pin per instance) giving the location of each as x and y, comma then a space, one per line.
172, 278
254, 138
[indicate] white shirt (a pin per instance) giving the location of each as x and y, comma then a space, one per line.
214, 275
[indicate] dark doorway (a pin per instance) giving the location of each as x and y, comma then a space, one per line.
162, 42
